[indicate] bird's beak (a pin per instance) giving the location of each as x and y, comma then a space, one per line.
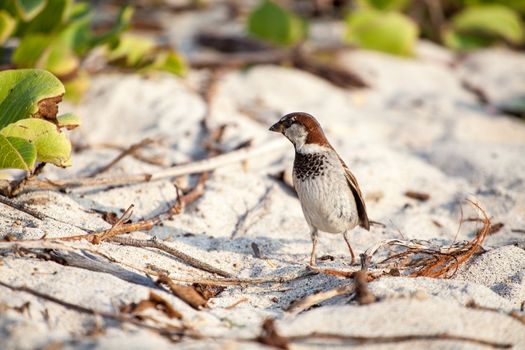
277, 127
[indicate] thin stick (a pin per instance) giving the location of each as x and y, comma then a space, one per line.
153, 243
179, 170
112, 231
396, 339
311, 300
167, 331
128, 151
17, 186
22, 208
95, 237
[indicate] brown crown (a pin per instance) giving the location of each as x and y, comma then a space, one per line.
312, 126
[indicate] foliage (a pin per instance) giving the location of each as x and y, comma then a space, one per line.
29, 125
140, 52
393, 26
384, 5
56, 35
273, 23
390, 32
482, 25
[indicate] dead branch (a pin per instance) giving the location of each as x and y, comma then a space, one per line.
514, 314
421, 258
128, 151
284, 278
17, 186
363, 294
171, 332
179, 170
331, 272
253, 214
238, 302
309, 301
153, 243
396, 339
21, 207
269, 336
117, 229
158, 161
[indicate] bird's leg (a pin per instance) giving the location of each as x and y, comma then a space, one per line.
314, 234
345, 235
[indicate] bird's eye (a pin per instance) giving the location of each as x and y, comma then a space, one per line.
288, 122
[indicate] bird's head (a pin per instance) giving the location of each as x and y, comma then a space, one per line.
301, 129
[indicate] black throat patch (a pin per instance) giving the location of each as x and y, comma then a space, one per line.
309, 166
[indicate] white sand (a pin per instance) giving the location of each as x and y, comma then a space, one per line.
416, 128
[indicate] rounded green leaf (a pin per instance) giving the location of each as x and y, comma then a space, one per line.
16, 153
272, 23
28, 9
49, 19
384, 4
68, 121
390, 32
23, 91
30, 51
112, 35
496, 21
7, 26
169, 61
52, 146
132, 49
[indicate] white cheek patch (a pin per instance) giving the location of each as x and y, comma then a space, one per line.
297, 134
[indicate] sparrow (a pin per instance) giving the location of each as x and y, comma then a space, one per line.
329, 193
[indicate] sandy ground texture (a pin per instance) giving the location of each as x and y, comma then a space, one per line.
419, 127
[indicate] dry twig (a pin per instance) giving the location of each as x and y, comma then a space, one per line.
363, 294
153, 243
171, 332
305, 303
396, 339
128, 151
422, 259
21, 207
179, 170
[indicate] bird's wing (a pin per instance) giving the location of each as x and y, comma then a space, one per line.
360, 202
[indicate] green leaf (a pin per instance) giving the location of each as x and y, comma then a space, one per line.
23, 90
385, 5
132, 50
7, 26
112, 36
51, 18
465, 42
390, 32
60, 59
171, 62
272, 23
28, 9
16, 153
487, 22
68, 121
51, 52
76, 87
518, 5
52, 146
30, 51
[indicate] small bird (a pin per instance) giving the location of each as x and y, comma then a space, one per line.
329, 194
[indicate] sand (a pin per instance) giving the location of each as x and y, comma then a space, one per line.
416, 128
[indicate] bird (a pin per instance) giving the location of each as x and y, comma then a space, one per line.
329, 194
